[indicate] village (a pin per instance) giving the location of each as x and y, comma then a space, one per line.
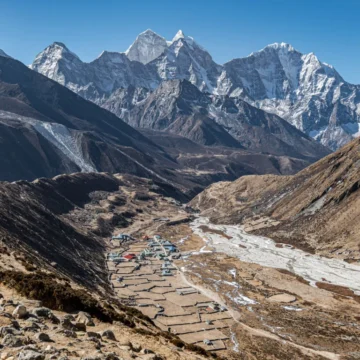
144, 275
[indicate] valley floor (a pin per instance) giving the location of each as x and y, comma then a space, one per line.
240, 295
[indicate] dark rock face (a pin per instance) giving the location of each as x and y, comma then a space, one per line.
180, 108
48, 130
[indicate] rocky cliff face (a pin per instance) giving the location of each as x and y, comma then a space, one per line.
147, 47
300, 88
179, 107
306, 92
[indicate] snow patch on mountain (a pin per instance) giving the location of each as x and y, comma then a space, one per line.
147, 47
65, 141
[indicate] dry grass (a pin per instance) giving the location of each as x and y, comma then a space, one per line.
206, 229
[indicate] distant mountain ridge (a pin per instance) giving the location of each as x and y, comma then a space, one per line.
47, 130
306, 92
179, 107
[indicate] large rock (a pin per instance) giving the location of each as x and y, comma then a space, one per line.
12, 341
20, 312
42, 312
80, 327
108, 334
42, 337
84, 318
30, 355
93, 334
5, 330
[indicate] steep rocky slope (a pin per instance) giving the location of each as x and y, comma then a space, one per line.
59, 220
316, 209
306, 92
179, 107
57, 131
56, 299
300, 88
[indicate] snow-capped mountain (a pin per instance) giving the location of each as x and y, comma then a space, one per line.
306, 92
180, 108
147, 47
98, 79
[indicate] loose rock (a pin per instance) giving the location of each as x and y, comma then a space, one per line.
42, 312
42, 337
85, 318
108, 334
20, 312
12, 341
30, 355
93, 334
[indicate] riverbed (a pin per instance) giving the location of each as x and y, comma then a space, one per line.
263, 251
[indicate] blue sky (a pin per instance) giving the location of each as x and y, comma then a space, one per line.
227, 29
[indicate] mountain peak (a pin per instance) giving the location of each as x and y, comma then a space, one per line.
3, 54
57, 50
147, 47
281, 45
179, 35
149, 32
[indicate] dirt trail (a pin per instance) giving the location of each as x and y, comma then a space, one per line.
257, 332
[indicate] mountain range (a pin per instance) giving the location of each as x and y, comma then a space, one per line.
47, 130
308, 93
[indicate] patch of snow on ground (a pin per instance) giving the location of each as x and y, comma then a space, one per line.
241, 299
233, 273
235, 341
292, 308
234, 284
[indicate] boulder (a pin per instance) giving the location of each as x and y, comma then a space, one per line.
42, 312
111, 356
66, 323
12, 341
70, 333
42, 337
54, 319
80, 327
93, 334
15, 324
135, 347
4, 330
30, 355
20, 312
146, 351
85, 318
108, 334
50, 350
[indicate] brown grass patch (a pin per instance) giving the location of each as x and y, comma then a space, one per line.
297, 277
59, 296
206, 229
341, 290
